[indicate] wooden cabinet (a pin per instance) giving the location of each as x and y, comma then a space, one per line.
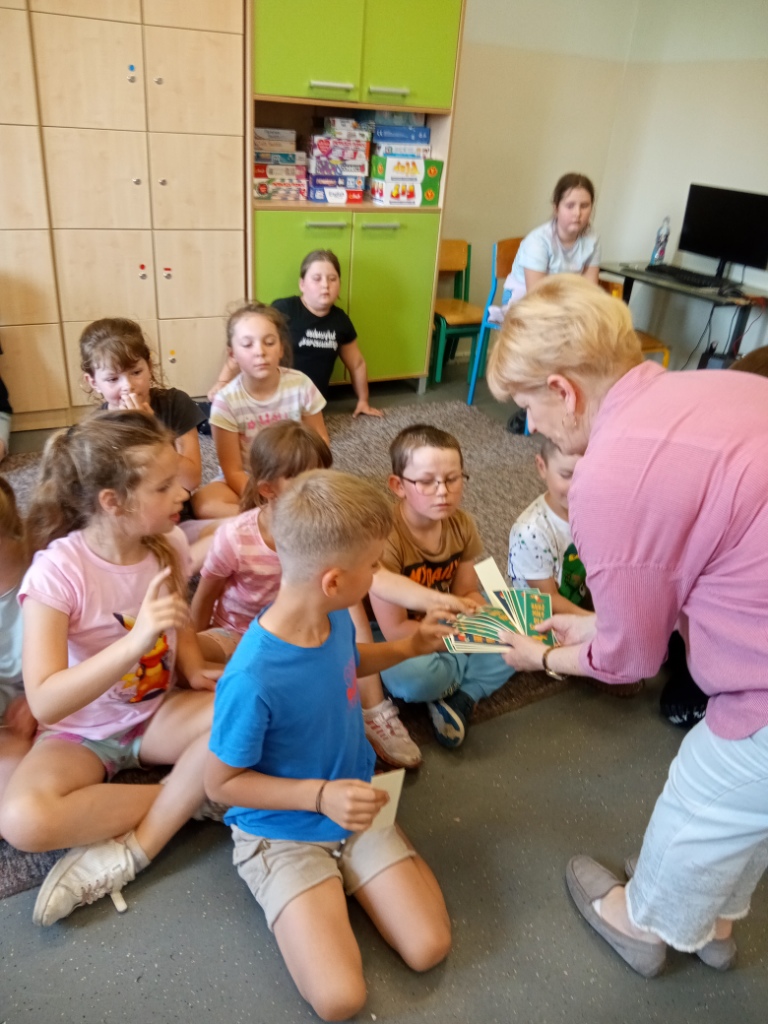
197, 181
215, 15
27, 283
191, 351
194, 81
196, 272
387, 272
386, 52
105, 273
32, 366
89, 73
107, 10
23, 205
18, 104
97, 179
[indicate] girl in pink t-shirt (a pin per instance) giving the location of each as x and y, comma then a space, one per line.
241, 572
105, 618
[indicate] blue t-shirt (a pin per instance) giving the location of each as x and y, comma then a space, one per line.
292, 712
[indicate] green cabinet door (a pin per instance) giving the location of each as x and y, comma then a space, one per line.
409, 52
390, 292
308, 48
283, 239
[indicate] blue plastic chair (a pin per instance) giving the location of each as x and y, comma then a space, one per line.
454, 318
504, 252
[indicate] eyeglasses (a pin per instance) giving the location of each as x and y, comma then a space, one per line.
452, 483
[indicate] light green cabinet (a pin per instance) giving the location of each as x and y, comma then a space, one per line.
409, 52
390, 292
388, 52
307, 48
387, 274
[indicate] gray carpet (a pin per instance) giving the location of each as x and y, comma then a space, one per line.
503, 481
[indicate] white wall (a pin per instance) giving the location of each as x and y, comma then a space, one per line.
644, 96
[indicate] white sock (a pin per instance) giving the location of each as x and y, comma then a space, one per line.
140, 859
372, 712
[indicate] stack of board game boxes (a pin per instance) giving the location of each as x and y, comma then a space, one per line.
279, 169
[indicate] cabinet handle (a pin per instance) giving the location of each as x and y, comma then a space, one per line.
157, 81
325, 224
166, 274
388, 92
162, 181
143, 275
394, 226
136, 181
172, 359
131, 78
315, 83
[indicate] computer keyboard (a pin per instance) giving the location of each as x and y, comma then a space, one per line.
688, 277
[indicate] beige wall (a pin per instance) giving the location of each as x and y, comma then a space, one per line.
645, 96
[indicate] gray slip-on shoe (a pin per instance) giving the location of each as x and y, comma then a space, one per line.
588, 881
718, 953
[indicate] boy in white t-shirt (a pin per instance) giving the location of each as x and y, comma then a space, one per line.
541, 549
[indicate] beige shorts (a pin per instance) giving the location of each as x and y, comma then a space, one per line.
227, 639
278, 870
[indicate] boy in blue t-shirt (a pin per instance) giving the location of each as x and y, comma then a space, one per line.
289, 756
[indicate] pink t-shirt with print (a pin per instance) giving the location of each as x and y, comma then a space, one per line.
102, 601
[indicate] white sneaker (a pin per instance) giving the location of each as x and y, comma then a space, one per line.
82, 876
389, 737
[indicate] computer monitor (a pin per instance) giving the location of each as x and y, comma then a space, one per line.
729, 226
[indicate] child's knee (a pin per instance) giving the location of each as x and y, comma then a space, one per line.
342, 1001
432, 946
23, 820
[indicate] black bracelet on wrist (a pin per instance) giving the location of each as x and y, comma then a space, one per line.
319, 797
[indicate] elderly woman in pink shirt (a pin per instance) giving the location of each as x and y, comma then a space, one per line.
669, 512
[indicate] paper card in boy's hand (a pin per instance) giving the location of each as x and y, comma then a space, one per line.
392, 783
490, 578
479, 632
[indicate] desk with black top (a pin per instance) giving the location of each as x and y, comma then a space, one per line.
632, 272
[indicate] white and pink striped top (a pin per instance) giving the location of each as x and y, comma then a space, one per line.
669, 512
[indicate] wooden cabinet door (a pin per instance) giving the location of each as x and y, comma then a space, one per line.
283, 239
105, 273
22, 185
199, 273
107, 10
219, 16
308, 49
89, 73
192, 352
97, 179
409, 52
197, 181
393, 271
18, 104
194, 81
79, 392
32, 366
27, 284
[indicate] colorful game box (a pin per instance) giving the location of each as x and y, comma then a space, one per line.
396, 193
407, 168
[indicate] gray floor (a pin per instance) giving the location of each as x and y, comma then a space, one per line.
497, 821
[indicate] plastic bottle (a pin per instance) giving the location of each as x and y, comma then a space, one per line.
660, 246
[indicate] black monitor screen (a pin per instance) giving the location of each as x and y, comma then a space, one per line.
727, 225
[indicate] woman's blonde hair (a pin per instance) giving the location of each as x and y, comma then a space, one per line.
282, 451
566, 325
116, 344
326, 517
108, 450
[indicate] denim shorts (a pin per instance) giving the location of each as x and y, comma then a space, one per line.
278, 870
116, 753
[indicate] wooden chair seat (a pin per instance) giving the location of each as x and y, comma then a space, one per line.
458, 313
654, 346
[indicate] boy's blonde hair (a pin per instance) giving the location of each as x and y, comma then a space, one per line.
115, 343
420, 435
569, 326
108, 450
282, 451
324, 519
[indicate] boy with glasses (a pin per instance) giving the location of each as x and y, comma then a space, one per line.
435, 543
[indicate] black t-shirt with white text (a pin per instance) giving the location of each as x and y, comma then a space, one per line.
316, 339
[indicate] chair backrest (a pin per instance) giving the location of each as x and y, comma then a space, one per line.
455, 257
506, 250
